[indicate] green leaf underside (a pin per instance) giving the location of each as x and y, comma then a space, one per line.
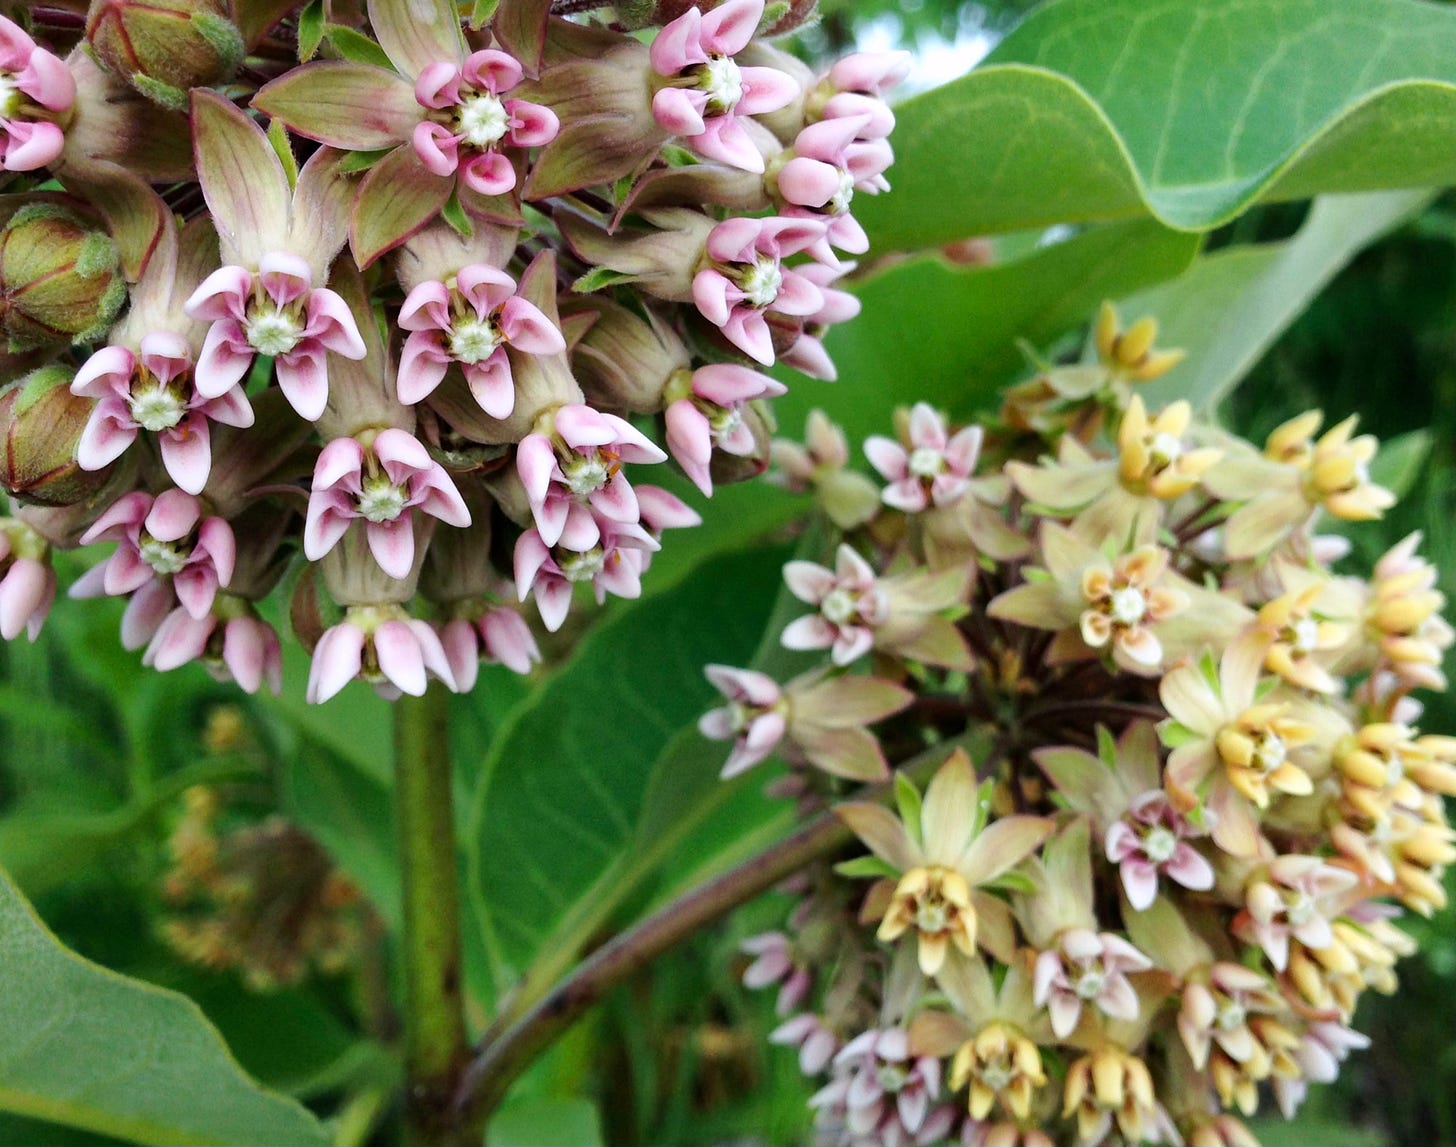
556, 815
1256, 100
947, 334
91, 1049
1229, 307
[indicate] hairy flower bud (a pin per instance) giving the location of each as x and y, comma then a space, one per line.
41, 422
165, 47
58, 278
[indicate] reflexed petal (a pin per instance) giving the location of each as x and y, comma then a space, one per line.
400, 659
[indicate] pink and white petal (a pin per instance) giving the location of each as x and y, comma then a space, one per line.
304, 379
401, 454
23, 590
433, 653
400, 658
172, 515
435, 494
225, 359
748, 331
337, 659
422, 366
426, 307
1140, 881
766, 90
30, 146
727, 383
616, 501
888, 457
1190, 868
146, 610
808, 581
393, 545
490, 173
245, 651
106, 373
107, 434
853, 642
724, 139
196, 588
808, 182
811, 631
491, 384
484, 287
436, 148
330, 513
438, 85
340, 464
491, 69
689, 437
680, 111
179, 639
462, 649
284, 276
526, 327
187, 452
553, 601
46, 79
230, 408
1065, 1009
508, 640
531, 556
678, 45
532, 125
726, 30
631, 444
331, 322
223, 294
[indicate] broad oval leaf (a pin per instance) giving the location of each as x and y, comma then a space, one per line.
1190, 110
89, 1048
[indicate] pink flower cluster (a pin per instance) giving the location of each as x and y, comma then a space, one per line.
416, 317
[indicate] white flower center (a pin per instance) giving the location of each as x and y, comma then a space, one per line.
1306, 635
1160, 844
10, 96
483, 120
164, 557
724, 420
1164, 449
997, 1076
723, 82
585, 474
926, 462
839, 606
931, 916
1089, 984
156, 408
581, 567
892, 1077
1231, 1015
760, 282
1394, 769
1301, 910
1128, 605
840, 201
474, 340
381, 500
743, 715
272, 332
1270, 753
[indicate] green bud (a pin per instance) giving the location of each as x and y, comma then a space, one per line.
40, 424
163, 48
59, 281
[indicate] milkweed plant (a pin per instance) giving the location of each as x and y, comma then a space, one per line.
407, 334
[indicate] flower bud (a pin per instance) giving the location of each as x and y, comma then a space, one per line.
59, 282
166, 47
41, 422
624, 362
727, 468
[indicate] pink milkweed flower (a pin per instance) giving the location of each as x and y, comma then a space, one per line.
755, 718
707, 91
1087, 967
378, 478
1151, 841
936, 467
470, 319
577, 461
500, 635
709, 413
1297, 897
244, 649
550, 572
383, 645
808, 355
855, 86
747, 278
27, 581
660, 511
851, 604
162, 541
876, 1076
477, 120
273, 311
774, 963
153, 390
1319, 1055
1215, 1009
829, 163
33, 82
816, 1042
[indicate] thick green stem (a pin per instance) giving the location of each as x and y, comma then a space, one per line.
435, 1046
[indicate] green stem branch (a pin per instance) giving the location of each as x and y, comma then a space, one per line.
435, 1045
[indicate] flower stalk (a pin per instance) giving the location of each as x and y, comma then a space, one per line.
435, 1046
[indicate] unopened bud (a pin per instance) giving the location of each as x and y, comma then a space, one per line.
163, 48
41, 422
59, 281
623, 361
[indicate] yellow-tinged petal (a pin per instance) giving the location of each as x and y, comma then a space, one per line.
882, 833
949, 810
1001, 846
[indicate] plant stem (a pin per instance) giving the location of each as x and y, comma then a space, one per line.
435, 1046
497, 1065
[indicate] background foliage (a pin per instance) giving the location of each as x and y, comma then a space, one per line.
1160, 138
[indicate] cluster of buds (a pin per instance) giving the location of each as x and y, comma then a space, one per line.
1151, 894
262, 899
414, 315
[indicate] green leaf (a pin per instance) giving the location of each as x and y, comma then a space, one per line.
310, 29
546, 1123
1228, 308
455, 215
278, 140
358, 161
481, 13
866, 867
356, 46
91, 1049
556, 814
598, 278
1401, 460
907, 800
947, 334
1188, 110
